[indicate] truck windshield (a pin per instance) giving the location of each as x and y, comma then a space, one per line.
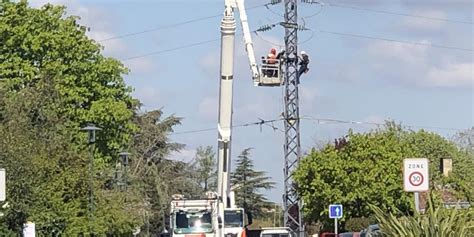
233, 218
187, 223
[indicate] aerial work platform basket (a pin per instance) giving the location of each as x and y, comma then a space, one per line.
271, 74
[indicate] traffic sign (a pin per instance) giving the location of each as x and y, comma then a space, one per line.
335, 211
415, 175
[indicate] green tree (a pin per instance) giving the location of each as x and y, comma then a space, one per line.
205, 167
362, 169
53, 79
46, 45
151, 169
45, 172
465, 139
247, 184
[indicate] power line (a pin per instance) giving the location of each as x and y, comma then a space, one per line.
171, 49
170, 26
377, 124
399, 13
258, 123
159, 28
269, 123
395, 40
184, 46
322, 31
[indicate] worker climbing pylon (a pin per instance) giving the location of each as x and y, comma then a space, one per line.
304, 61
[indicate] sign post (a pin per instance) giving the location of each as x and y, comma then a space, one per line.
335, 212
3, 189
415, 178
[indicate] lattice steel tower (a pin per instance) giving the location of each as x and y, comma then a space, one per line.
292, 147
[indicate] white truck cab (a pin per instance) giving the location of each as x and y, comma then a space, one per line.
276, 232
196, 218
233, 222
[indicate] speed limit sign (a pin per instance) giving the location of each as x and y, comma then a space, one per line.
415, 175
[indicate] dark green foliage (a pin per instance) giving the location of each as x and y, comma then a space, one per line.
362, 169
45, 172
247, 183
357, 224
53, 80
150, 169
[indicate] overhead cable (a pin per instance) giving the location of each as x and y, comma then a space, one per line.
399, 13
169, 26
375, 123
395, 40
271, 122
257, 123
264, 28
270, 26
322, 31
171, 49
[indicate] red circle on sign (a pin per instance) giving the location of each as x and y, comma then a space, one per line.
412, 177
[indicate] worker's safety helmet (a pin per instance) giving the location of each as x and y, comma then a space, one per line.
273, 51
303, 53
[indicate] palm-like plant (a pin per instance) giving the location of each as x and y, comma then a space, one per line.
436, 222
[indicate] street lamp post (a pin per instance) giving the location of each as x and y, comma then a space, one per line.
124, 159
91, 129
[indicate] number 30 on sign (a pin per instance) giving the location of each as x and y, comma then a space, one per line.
415, 175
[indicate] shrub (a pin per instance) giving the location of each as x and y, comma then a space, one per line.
436, 222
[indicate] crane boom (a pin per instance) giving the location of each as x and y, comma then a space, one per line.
248, 40
228, 27
224, 202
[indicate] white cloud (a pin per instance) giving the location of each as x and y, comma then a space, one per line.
424, 25
462, 5
114, 47
308, 94
452, 75
208, 108
359, 2
210, 64
253, 110
374, 119
100, 22
140, 65
418, 65
39, 3
184, 155
148, 96
403, 53
308, 97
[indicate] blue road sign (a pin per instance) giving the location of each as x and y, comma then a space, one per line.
335, 211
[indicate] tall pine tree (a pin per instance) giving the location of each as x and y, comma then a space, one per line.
205, 168
248, 183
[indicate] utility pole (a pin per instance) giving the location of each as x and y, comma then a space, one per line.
292, 147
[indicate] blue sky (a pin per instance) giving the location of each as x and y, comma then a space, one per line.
350, 78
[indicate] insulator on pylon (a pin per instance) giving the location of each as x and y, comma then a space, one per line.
273, 2
312, 2
265, 28
302, 28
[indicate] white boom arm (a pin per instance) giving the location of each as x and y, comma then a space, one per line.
248, 39
225, 106
226, 88
225, 97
